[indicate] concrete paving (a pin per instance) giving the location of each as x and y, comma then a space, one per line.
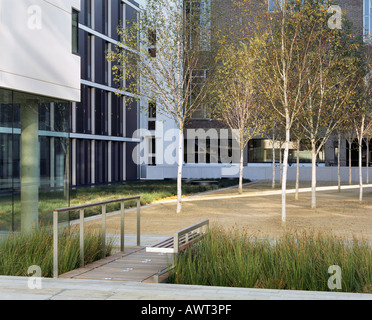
17, 288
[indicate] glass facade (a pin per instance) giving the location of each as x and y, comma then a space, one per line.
102, 122
261, 151
34, 159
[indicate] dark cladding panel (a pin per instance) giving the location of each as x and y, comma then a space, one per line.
132, 124
100, 60
83, 162
83, 112
117, 162
98, 16
116, 17
83, 52
131, 167
101, 158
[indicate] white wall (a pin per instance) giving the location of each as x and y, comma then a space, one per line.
36, 48
323, 173
252, 172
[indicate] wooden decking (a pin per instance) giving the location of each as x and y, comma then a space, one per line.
133, 265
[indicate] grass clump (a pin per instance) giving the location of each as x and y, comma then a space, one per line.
295, 262
18, 252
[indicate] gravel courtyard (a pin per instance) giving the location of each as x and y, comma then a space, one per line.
258, 212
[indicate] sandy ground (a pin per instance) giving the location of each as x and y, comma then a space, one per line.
259, 214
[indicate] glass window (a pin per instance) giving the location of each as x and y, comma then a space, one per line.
152, 110
152, 43
131, 21
261, 151
75, 31
367, 21
34, 135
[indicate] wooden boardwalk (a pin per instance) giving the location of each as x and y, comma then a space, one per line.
133, 265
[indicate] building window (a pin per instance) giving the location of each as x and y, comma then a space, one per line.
152, 151
75, 31
367, 19
152, 43
198, 14
152, 110
199, 77
152, 116
274, 5
261, 151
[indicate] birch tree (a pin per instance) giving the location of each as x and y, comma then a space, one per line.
162, 57
333, 82
285, 65
235, 100
363, 124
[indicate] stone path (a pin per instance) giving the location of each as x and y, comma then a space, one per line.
16, 288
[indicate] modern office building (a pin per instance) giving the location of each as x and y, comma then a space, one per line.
39, 78
205, 161
63, 125
62, 122
103, 123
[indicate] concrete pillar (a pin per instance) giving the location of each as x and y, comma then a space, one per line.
30, 173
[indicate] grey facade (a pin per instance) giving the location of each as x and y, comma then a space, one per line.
258, 150
103, 123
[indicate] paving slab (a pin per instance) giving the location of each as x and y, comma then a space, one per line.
16, 288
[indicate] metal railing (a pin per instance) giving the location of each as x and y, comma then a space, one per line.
200, 228
104, 216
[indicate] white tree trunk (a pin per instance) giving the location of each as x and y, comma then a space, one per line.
241, 171
298, 170
339, 163
367, 161
280, 163
179, 176
284, 174
360, 170
349, 161
273, 182
313, 174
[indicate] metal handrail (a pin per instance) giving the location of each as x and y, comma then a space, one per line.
82, 219
201, 225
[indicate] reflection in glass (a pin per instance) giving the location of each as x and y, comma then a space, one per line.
34, 159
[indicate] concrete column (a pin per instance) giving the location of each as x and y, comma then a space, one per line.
30, 173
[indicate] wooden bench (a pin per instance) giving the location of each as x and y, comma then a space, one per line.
182, 239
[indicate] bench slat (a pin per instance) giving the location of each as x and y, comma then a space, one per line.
185, 240
164, 243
